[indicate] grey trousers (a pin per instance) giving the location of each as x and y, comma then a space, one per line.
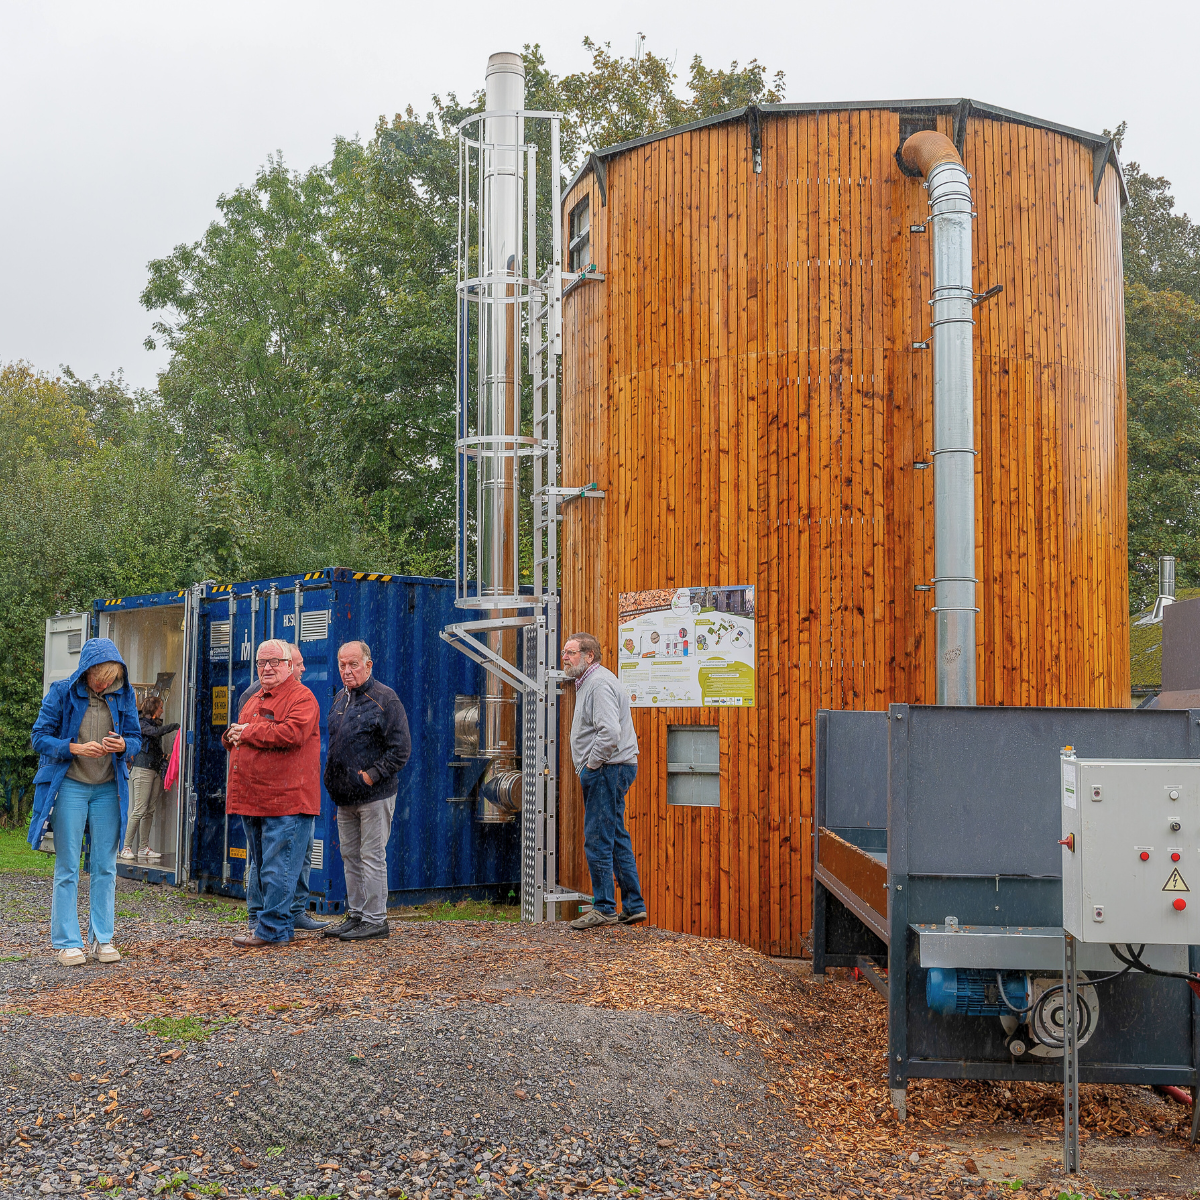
145, 789
363, 830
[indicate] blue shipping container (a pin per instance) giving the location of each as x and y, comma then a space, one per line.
437, 848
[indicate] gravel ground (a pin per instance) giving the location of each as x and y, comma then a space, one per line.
456, 1060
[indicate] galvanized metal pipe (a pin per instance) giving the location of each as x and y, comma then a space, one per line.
949, 186
1166, 587
502, 259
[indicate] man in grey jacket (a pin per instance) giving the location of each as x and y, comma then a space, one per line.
604, 749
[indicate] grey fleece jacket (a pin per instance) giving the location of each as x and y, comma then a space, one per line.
602, 729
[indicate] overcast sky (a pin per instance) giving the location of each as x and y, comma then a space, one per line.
122, 122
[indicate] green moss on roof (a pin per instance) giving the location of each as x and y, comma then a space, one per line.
1145, 646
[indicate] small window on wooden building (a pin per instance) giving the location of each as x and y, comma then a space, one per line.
580, 243
694, 765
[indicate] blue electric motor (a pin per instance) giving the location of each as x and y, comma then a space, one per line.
974, 993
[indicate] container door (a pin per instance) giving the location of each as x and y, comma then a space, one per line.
65, 635
151, 634
187, 732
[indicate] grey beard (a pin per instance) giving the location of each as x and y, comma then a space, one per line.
574, 671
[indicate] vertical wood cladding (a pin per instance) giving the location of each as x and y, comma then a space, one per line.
742, 385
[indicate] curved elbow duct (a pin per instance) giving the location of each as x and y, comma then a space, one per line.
934, 156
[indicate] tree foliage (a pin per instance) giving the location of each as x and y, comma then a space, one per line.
306, 417
1161, 250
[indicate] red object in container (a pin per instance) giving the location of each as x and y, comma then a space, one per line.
1180, 904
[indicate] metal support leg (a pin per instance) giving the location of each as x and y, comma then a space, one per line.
899, 1103
1195, 1115
1070, 1058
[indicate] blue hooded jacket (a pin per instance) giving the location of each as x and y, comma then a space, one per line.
57, 726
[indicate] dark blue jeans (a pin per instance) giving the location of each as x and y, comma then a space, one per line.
276, 847
606, 841
254, 900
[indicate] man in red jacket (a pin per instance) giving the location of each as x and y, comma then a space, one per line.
275, 786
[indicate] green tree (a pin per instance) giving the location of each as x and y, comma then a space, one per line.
1161, 253
1163, 349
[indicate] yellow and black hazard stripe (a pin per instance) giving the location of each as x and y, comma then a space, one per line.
373, 578
315, 575
110, 603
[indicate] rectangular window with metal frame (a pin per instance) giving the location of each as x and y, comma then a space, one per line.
580, 244
694, 765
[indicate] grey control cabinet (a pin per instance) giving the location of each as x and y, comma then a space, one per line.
1131, 856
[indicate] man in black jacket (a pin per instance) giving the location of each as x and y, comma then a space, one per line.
368, 744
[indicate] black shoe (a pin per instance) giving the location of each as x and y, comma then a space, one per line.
366, 929
627, 918
351, 920
308, 924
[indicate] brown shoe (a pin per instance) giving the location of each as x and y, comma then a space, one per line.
250, 941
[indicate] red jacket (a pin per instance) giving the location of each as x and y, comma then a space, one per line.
275, 770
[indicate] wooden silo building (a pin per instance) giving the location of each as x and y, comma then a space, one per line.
742, 384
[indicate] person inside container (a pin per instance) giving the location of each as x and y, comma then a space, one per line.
275, 787
145, 780
85, 734
368, 744
301, 919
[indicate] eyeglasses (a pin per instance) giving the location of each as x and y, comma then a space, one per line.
572, 653
273, 663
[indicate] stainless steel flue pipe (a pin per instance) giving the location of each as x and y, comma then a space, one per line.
934, 155
499, 417
502, 260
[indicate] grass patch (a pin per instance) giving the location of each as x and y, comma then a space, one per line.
182, 1029
463, 910
17, 858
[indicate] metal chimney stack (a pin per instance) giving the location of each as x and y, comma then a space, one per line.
1166, 587
507, 487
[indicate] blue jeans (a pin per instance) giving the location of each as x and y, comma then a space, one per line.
98, 808
606, 841
299, 900
276, 846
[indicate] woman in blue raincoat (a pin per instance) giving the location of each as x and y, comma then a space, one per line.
86, 733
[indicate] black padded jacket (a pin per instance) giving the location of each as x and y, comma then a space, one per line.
368, 731
151, 755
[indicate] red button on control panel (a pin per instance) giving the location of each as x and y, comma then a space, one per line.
1144, 856
1180, 904
1175, 857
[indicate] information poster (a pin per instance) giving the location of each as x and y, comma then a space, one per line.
687, 647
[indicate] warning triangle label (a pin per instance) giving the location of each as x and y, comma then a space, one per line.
1176, 883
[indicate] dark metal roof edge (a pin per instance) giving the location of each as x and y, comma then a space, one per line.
978, 108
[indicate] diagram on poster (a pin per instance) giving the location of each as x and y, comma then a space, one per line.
687, 647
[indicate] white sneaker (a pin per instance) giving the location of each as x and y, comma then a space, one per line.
74, 957
106, 953
127, 855
146, 852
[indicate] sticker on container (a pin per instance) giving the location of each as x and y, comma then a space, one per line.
1176, 883
1069, 785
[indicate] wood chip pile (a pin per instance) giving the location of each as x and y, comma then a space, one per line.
823, 1043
